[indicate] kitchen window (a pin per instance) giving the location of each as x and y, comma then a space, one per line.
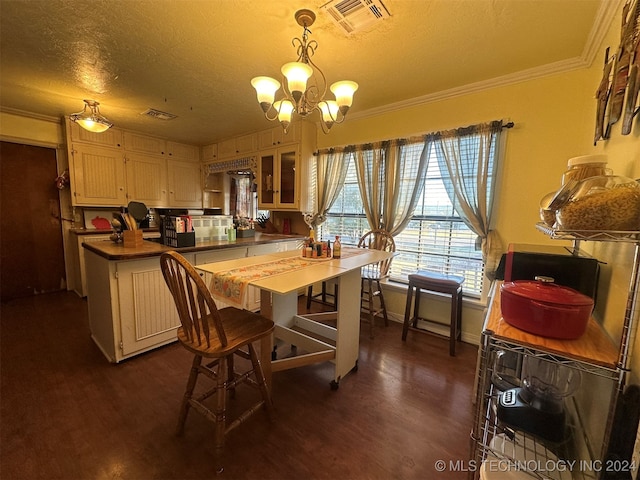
435, 239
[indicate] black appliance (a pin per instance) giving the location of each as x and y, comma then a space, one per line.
525, 262
538, 406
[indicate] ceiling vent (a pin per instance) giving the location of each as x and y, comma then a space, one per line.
160, 115
355, 15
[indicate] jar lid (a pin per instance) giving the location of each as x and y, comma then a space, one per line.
584, 159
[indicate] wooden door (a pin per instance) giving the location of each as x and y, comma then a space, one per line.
31, 249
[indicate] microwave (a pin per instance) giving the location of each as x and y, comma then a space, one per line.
525, 262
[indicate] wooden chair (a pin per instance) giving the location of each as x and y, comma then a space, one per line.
324, 295
217, 335
370, 287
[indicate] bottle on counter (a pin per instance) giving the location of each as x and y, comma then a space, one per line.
337, 247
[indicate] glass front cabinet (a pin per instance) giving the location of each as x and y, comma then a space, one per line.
279, 181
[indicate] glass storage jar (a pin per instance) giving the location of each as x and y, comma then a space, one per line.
602, 203
579, 168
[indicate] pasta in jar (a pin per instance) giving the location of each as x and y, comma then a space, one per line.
603, 203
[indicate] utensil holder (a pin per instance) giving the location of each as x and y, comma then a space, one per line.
132, 238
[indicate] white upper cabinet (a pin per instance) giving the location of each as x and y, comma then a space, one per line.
97, 176
210, 153
238, 146
112, 138
147, 179
182, 151
185, 188
134, 142
275, 136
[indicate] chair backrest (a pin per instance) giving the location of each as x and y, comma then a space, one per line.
379, 240
193, 300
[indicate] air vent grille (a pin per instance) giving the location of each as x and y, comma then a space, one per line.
160, 115
355, 15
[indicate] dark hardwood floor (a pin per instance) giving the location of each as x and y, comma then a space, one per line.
66, 413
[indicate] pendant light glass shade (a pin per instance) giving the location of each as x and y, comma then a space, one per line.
90, 118
266, 88
344, 91
297, 74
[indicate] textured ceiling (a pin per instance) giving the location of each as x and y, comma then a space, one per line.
195, 58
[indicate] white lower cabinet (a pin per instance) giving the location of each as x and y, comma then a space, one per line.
130, 307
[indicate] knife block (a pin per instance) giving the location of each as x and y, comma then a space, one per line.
132, 238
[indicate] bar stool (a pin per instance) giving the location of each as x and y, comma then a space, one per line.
435, 282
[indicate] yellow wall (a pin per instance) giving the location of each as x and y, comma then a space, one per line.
554, 121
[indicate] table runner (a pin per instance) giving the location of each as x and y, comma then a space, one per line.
230, 285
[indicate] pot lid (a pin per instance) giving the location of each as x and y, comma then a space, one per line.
544, 290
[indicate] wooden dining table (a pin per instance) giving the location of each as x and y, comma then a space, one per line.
321, 337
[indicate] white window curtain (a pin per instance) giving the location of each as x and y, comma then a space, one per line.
330, 172
391, 176
468, 160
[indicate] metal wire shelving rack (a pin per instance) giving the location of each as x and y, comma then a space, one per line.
486, 425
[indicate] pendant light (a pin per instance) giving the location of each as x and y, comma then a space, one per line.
90, 118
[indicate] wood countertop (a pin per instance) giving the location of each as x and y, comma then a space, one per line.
94, 231
594, 347
117, 251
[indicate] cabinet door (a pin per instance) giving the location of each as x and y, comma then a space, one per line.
98, 176
210, 152
267, 138
147, 179
275, 137
267, 180
148, 315
183, 151
227, 148
288, 187
185, 189
144, 144
112, 138
246, 144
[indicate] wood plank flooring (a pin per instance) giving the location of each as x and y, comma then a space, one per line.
66, 413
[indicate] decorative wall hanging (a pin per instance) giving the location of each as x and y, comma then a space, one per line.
617, 93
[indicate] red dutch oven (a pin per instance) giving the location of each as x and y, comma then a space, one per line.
544, 308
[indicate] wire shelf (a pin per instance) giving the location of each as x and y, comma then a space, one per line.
593, 235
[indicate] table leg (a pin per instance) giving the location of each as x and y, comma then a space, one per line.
348, 324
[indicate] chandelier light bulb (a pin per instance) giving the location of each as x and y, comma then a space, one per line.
266, 88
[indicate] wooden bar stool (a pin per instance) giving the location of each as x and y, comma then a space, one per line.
435, 282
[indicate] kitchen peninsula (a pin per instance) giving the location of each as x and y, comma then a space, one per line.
130, 309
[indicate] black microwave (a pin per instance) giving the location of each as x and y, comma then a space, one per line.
525, 262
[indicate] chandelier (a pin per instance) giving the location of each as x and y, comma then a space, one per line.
304, 86
91, 119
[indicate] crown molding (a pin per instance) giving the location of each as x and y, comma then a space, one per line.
35, 116
608, 10
605, 15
